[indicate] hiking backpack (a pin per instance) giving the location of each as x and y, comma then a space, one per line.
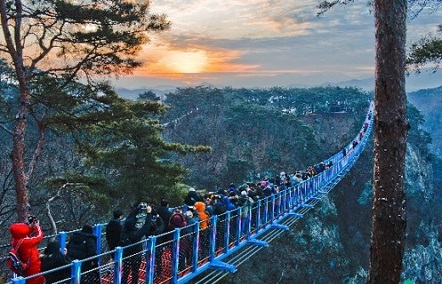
14, 263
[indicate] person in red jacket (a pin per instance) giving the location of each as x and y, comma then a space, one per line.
29, 235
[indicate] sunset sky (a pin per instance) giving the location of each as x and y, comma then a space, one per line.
262, 43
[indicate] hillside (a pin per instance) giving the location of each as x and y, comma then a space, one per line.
429, 103
248, 135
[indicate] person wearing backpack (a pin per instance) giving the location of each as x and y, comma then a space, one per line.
25, 238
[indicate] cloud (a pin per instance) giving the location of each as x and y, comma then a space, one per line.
270, 41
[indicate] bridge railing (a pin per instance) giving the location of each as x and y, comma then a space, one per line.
184, 253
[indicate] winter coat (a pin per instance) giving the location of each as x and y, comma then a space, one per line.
136, 235
30, 237
54, 258
177, 221
229, 204
83, 245
192, 197
219, 207
200, 207
165, 214
113, 232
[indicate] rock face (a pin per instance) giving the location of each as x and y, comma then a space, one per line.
423, 255
331, 243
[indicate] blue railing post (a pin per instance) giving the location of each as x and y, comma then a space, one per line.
118, 267
290, 198
212, 241
175, 255
62, 240
195, 246
150, 245
97, 232
258, 215
76, 272
249, 222
272, 209
238, 226
226, 235
304, 192
266, 210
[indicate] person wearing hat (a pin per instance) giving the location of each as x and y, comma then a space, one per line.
192, 197
179, 220
53, 258
82, 245
113, 230
25, 238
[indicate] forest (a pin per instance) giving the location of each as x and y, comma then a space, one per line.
230, 135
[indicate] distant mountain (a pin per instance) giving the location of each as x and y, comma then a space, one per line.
414, 82
364, 84
132, 94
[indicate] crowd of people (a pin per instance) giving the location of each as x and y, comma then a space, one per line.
146, 220
143, 221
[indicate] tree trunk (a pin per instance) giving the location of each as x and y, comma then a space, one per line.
15, 50
18, 154
388, 212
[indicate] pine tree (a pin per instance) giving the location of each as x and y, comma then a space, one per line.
51, 44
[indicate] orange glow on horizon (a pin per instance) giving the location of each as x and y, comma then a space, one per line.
185, 61
175, 63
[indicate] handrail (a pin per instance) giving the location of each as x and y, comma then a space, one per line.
191, 251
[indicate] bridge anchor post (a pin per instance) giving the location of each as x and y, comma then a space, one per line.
219, 265
294, 214
305, 205
279, 226
258, 243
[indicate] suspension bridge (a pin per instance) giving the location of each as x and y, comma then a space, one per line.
206, 256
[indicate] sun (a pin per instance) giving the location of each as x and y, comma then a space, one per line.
186, 61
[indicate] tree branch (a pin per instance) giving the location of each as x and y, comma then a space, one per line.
38, 149
55, 197
6, 129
